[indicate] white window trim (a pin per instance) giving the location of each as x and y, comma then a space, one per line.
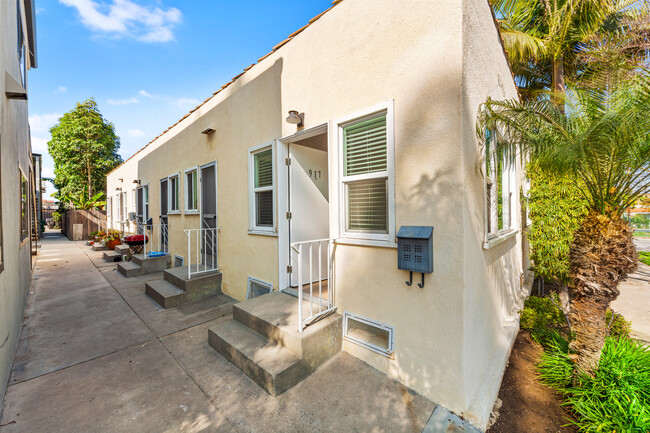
253, 229
188, 210
360, 238
386, 351
171, 211
494, 238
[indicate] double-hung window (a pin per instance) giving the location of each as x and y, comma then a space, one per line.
500, 186
24, 207
174, 193
367, 177
191, 190
262, 191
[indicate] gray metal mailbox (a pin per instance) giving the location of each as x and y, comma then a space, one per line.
415, 250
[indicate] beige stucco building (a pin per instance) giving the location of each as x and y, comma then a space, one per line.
408, 78
17, 56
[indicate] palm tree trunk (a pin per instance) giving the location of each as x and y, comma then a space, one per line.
601, 255
558, 84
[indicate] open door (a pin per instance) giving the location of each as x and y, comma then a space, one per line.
309, 213
208, 183
164, 209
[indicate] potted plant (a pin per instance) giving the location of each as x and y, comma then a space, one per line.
113, 238
91, 238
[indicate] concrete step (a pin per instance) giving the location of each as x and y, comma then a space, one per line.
208, 283
99, 247
112, 256
267, 363
275, 316
152, 264
165, 293
129, 269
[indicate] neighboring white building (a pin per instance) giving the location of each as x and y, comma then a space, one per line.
17, 56
390, 93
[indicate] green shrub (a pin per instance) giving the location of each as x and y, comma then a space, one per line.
541, 316
619, 327
617, 398
556, 207
644, 256
555, 367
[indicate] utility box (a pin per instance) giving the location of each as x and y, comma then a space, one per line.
415, 249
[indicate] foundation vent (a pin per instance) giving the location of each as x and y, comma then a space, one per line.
178, 261
372, 335
258, 288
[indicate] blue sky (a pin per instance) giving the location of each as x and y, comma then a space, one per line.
147, 62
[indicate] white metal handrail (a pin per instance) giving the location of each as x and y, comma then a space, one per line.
156, 238
206, 243
324, 306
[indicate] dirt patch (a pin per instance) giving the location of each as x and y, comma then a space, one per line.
526, 404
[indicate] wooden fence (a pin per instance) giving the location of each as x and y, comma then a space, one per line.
92, 220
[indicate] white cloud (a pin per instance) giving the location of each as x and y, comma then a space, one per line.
135, 133
40, 123
122, 101
47, 172
61, 89
127, 18
39, 145
187, 102
145, 93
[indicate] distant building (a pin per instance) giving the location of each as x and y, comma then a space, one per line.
17, 174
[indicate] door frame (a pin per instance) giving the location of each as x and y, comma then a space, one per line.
200, 188
282, 154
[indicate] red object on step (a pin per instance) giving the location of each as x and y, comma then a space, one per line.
135, 242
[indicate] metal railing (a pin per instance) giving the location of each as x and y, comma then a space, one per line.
156, 239
204, 244
323, 248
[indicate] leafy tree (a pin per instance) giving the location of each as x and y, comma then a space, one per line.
548, 40
84, 149
603, 143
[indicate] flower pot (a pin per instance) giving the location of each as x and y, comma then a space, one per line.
112, 244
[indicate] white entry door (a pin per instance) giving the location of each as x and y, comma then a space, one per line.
309, 207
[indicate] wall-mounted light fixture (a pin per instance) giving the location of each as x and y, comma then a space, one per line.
119, 188
209, 130
136, 181
296, 118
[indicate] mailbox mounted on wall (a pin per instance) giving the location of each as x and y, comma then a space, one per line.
415, 251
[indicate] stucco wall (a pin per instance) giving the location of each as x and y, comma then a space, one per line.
15, 152
415, 56
492, 275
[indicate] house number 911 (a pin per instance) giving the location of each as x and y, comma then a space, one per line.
315, 174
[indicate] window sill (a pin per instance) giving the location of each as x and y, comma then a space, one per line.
365, 242
493, 242
174, 212
192, 212
262, 233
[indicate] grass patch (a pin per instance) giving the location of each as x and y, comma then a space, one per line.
638, 234
644, 257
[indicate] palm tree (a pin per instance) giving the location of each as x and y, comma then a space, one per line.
543, 37
603, 142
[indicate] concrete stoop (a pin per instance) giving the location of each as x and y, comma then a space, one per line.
111, 256
263, 341
176, 289
99, 247
139, 265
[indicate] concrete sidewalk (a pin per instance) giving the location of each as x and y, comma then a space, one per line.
634, 302
97, 355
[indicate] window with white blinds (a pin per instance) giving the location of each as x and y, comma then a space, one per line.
365, 176
262, 189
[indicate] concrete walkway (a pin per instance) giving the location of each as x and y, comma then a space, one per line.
97, 355
634, 302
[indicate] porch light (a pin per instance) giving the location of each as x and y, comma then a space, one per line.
296, 118
119, 188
